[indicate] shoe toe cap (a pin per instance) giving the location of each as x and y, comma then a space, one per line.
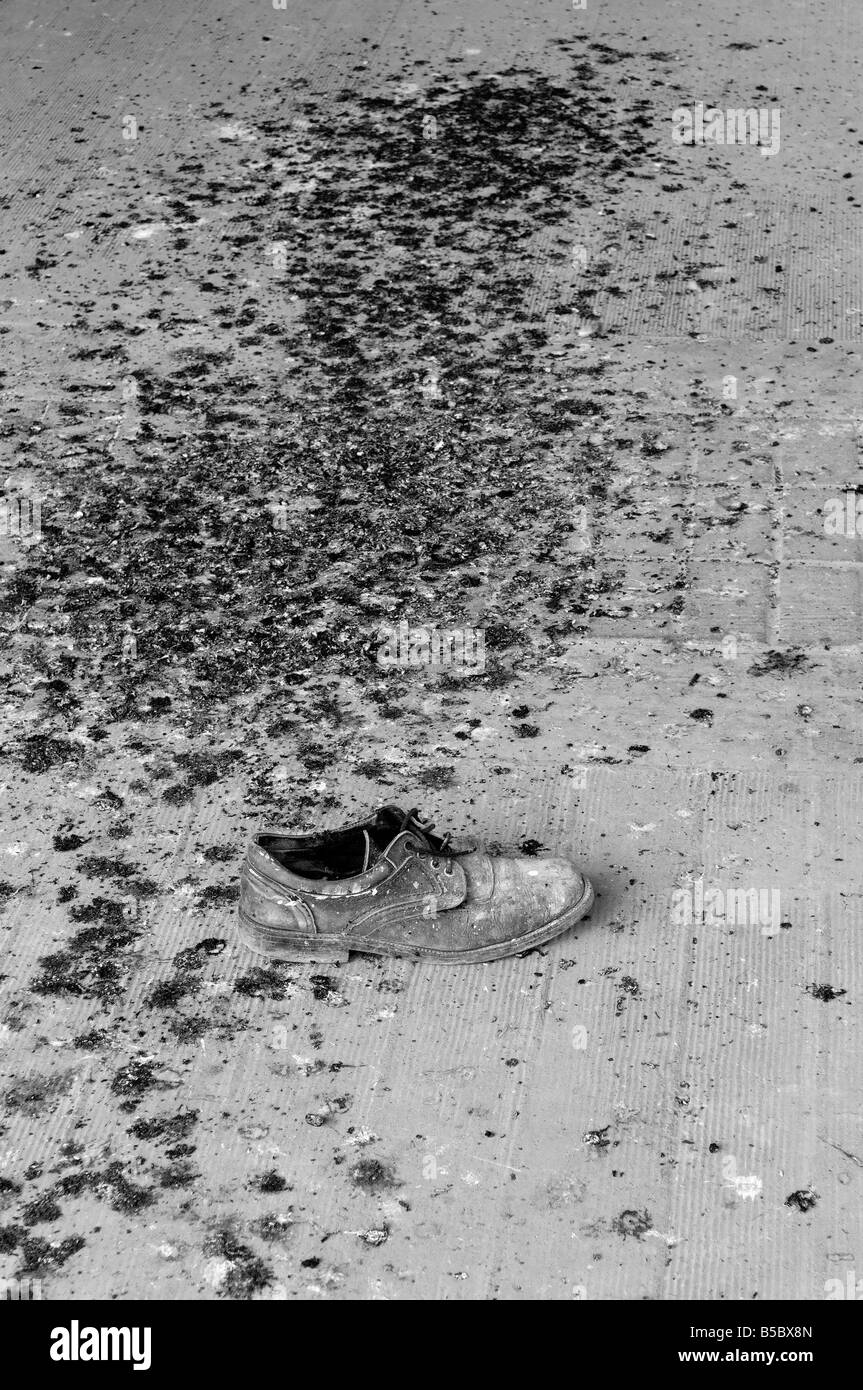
560, 884
533, 892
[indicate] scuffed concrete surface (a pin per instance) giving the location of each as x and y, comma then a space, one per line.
387, 311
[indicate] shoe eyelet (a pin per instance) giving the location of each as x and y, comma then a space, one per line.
435, 863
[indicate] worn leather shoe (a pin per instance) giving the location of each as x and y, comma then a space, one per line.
388, 886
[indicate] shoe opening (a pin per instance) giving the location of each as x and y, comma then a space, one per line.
340, 854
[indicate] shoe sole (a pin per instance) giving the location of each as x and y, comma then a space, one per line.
277, 944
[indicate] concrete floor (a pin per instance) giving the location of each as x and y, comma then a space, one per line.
663, 1104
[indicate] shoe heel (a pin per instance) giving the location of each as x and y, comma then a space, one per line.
281, 945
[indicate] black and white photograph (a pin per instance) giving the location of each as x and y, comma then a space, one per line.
430, 585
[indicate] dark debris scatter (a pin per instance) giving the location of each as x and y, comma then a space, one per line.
91, 1040
271, 1182
775, 663
166, 1128
262, 982
40, 1210
179, 1174
37, 1095
245, 1274
134, 1080
188, 1029
597, 1138
531, 848
112, 1184
632, 1223
373, 1175
168, 993
10, 1238
826, 993
219, 895
62, 843
324, 989
406, 437
803, 1199
39, 1255
42, 752
274, 1226
95, 964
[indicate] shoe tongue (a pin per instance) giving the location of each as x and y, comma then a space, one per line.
388, 826
389, 821
376, 846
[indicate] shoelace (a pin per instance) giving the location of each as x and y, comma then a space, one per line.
412, 820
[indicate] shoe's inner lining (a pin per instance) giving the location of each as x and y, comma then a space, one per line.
341, 857
338, 854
